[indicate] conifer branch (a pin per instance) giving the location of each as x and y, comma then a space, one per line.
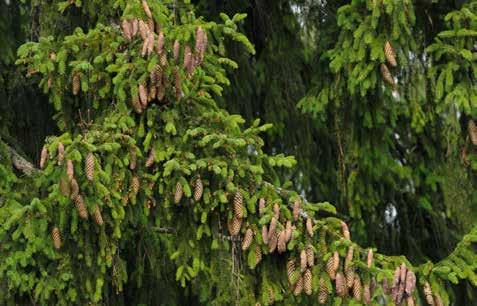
21, 163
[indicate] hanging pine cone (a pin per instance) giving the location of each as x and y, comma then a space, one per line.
272, 242
290, 270
288, 231
43, 157
410, 301
143, 95
330, 267
132, 158
307, 282
89, 166
303, 260
200, 43
238, 202
428, 294
309, 227
349, 258
402, 274
261, 206
56, 236
150, 25
258, 255
322, 292
152, 92
296, 209
349, 275
74, 188
198, 189
160, 43
273, 226
146, 9
98, 218
76, 83
357, 288
410, 282
298, 286
178, 193
247, 239
176, 50
163, 59
366, 294
438, 301
64, 187
336, 260
177, 83
390, 54
386, 75
345, 231
370, 258
126, 27
472, 130
265, 234
340, 283
143, 30
187, 57
135, 185
310, 256
134, 27
282, 243
150, 159
397, 277
276, 210
61, 153
136, 103
81, 207
236, 224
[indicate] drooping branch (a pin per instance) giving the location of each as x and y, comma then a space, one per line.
20, 163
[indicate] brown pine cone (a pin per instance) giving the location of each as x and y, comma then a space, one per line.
309, 227
330, 267
150, 159
176, 49
178, 193
134, 27
303, 260
43, 157
89, 166
247, 239
390, 54
265, 234
370, 258
198, 189
296, 209
350, 276
290, 270
258, 255
238, 202
136, 103
61, 153
410, 282
235, 225
345, 230
322, 292
273, 226
64, 187
340, 283
81, 207
307, 282
126, 27
288, 231
357, 288
146, 9
261, 206
310, 256
98, 218
349, 258
472, 130
187, 57
160, 43
276, 211
366, 294
282, 243
272, 242
386, 75
143, 95
70, 171
76, 83
428, 294
56, 236
74, 189
298, 286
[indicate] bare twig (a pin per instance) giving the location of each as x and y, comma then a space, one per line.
21, 163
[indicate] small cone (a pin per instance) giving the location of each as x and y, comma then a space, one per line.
276, 210
198, 189
127, 31
238, 208
330, 268
136, 103
386, 75
258, 255
235, 225
307, 282
370, 258
247, 239
428, 294
303, 260
265, 234
178, 193
410, 282
272, 242
472, 130
160, 43
261, 206
132, 159
64, 187
345, 230
309, 227
176, 50
288, 231
61, 153
350, 276
390, 54
43, 157
296, 209
135, 185
298, 286
76, 83
357, 288
150, 159
310, 256
273, 226
89, 166
290, 269
282, 243
340, 283
81, 207
322, 292
143, 95
98, 218
74, 189
56, 236
146, 9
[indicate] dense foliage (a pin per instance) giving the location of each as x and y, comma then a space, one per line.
150, 192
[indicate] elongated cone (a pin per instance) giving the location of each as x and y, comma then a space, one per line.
146, 9
150, 25
56, 236
357, 288
288, 231
61, 153
176, 49
340, 283
472, 130
349, 276
76, 83
43, 157
98, 218
160, 43
178, 193
273, 226
303, 260
330, 268
272, 242
390, 54
89, 166
366, 294
81, 207
370, 258
143, 30
136, 103
310, 256
187, 58
345, 231
247, 239
135, 185
290, 270
322, 292
143, 95
238, 204
309, 227
276, 211
336, 260
258, 255
74, 188
410, 301
307, 282
64, 187
150, 159
198, 189
296, 209
132, 158
163, 59
282, 243
234, 226
438, 301
349, 258
386, 75
134, 26
265, 234
397, 277
261, 206
298, 286
126, 27
402, 273
428, 294
410, 282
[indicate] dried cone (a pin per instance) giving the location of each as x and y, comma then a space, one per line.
143, 95
472, 130
238, 201
74, 189
357, 288
272, 242
310, 256
81, 207
176, 50
340, 283
282, 243
89, 166
410, 282
134, 27
288, 230
303, 260
345, 231
98, 218
350, 276
70, 171
127, 30
309, 227
187, 57
386, 75
56, 236
178, 193
298, 286
265, 234
390, 54
366, 294
322, 292
143, 30
428, 294
330, 267
198, 189
290, 269
273, 226
296, 209
235, 225
132, 159
150, 159
146, 9
160, 43
64, 187
349, 258
261, 206
258, 255
247, 239
276, 210
43, 157
370, 258
76, 83
61, 153
307, 282
136, 103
